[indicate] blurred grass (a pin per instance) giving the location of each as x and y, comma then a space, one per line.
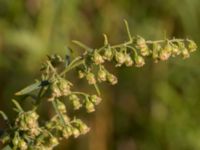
153, 108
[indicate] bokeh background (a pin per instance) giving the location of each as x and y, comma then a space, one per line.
156, 107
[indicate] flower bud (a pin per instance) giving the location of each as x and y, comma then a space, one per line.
55, 90
22, 145
108, 54
192, 46
144, 51
61, 107
102, 74
76, 104
175, 50
164, 55
53, 141
120, 58
75, 101
112, 79
185, 53
95, 99
91, 78
139, 61
67, 132
128, 60
89, 106
97, 58
81, 74
166, 52
141, 43
83, 128
75, 132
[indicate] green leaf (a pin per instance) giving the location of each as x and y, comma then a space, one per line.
82, 45
7, 148
3, 115
29, 89
17, 105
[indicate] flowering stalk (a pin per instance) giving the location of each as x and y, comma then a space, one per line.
28, 132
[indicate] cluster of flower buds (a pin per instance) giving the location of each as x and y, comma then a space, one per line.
164, 49
60, 87
104, 75
75, 101
91, 102
28, 121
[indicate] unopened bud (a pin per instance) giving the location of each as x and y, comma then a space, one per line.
185, 53
108, 54
90, 78
102, 75
61, 107
192, 46
128, 60
120, 58
89, 106
112, 79
97, 58
81, 74
95, 99
22, 145
75, 132
139, 61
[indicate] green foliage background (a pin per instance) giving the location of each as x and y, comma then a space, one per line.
156, 107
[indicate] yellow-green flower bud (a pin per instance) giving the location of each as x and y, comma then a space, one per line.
95, 99
56, 91
76, 104
128, 60
97, 58
175, 50
53, 141
120, 58
102, 75
166, 52
89, 106
185, 53
164, 55
81, 74
61, 107
91, 78
141, 43
67, 132
108, 54
112, 79
83, 128
139, 61
75, 132
22, 145
75, 101
192, 46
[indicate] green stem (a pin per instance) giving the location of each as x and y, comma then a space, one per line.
58, 112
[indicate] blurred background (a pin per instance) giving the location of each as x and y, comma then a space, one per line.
156, 107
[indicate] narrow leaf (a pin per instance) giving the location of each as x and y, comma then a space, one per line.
82, 45
17, 105
3, 115
29, 89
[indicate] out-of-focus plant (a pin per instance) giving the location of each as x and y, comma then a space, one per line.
28, 132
